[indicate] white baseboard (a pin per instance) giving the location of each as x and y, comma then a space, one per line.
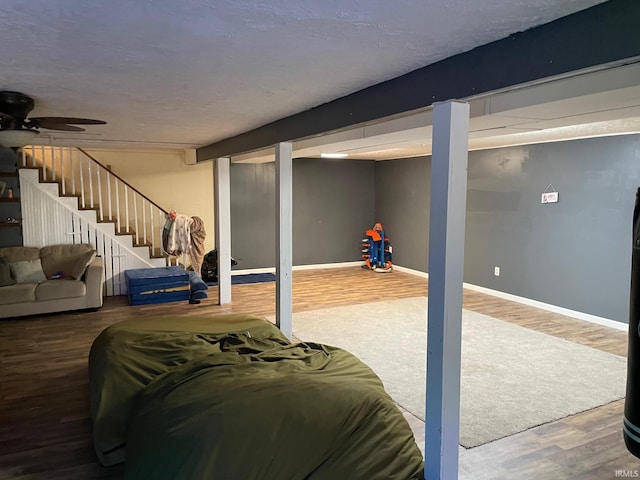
417, 273
587, 317
253, 270
316, 266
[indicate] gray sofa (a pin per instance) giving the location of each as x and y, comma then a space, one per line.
50, 279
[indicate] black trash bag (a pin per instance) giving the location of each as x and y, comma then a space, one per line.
209, 269
631, 426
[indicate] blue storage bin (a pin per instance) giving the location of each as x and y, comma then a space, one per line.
157, 285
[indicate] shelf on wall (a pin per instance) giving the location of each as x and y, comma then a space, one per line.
14, 199
8, 174
10, 224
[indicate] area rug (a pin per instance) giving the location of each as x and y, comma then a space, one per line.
512, 378
249, 278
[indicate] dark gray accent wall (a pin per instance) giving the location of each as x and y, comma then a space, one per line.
402, 206
253, 206
575, 253
333, 204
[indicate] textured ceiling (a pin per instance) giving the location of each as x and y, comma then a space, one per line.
191, 72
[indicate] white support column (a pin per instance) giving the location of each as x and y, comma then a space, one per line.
222, 194
446, 260
284, 238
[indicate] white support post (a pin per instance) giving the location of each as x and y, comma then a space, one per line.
446, 261
222, 193
284, 238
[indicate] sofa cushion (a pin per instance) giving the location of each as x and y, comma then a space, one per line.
55, 289
19, 254
70, 261
27, 271
5, 274
18, 293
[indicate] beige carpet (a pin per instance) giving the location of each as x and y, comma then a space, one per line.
512, 378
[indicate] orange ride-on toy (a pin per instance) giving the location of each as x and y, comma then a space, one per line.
376, 250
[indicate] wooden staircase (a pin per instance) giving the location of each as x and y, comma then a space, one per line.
69, 197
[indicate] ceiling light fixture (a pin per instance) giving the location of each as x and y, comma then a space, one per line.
17, 138
334, 155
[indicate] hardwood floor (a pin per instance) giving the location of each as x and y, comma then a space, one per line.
45, 429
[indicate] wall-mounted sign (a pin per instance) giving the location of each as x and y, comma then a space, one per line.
550, 195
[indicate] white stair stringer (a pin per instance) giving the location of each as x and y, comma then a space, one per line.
48, 219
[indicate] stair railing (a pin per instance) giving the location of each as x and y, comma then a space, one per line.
99, 189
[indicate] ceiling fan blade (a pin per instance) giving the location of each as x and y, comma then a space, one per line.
42, 121
62, 127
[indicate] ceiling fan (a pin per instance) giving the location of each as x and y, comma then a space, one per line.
17, 129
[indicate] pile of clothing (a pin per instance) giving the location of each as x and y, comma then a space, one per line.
185, 235
182, 234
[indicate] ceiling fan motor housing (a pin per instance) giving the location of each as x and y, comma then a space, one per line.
15, 106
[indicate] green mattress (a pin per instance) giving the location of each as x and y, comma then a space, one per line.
229, 397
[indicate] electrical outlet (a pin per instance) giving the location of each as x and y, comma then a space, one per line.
496, 271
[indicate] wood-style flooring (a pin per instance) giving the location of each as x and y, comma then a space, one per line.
45, 428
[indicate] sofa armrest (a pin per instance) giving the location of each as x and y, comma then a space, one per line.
94, 281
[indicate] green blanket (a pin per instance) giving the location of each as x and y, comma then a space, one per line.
229, 397
128, 355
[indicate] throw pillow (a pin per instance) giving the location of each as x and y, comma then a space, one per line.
79, 265
27, 271
5, 274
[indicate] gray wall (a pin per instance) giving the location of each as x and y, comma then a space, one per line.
333, 204
253, 208
575, 254
402, 206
